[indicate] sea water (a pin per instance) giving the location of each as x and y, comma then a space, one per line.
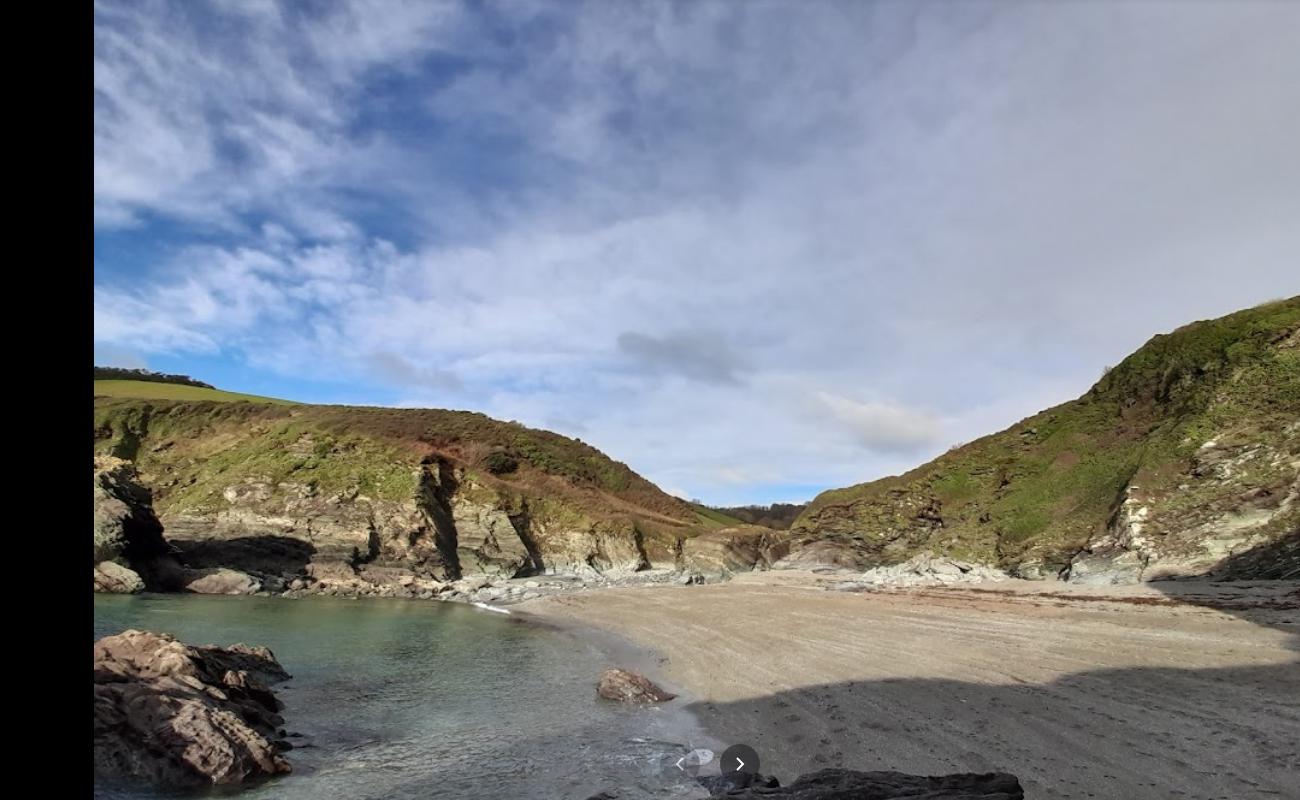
409, 699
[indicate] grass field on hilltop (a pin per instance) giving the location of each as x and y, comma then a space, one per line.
150, 390
715, 519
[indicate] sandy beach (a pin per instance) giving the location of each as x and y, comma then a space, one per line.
1150, 691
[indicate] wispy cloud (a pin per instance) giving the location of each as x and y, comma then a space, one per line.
881, 426
828, 239
214, 113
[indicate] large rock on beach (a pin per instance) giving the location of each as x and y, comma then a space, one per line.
172, 715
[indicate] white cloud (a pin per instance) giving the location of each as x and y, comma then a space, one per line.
881, 426
819, 245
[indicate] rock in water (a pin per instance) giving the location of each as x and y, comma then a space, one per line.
629, 687
173, 715
842, 784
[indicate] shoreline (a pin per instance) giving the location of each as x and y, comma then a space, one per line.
1138, 691
678, 721
632, 742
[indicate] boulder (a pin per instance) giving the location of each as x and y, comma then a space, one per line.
172, 715
113, 578
630, 687
842, 784
470, 585
222, 581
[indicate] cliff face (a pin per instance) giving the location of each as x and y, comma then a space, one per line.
1182, 460
283, 492
131, 554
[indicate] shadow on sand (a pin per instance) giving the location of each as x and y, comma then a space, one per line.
1142, 732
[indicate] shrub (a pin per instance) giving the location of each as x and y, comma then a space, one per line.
499, 462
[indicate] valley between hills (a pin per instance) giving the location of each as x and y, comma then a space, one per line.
1182, 461
1102, 599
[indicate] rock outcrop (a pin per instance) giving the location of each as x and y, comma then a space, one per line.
1183, 460
130, 551
172, 715
928, 569
727, 551
843, 784
331, 497
630, 687
1221, 519
833, 551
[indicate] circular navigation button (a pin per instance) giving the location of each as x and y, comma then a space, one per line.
738, 758
692, 761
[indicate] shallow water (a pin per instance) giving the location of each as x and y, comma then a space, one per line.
404, 699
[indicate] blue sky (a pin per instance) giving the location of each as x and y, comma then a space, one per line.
754, 249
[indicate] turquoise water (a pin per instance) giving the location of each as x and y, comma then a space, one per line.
404, 699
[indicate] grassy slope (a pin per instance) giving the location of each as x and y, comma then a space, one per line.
712, 518
193, 450
1036, 491
152, 390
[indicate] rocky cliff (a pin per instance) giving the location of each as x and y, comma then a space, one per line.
286, 493
1184, 459
130, 551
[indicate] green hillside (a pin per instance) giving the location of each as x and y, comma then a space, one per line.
1199, 430
713, 518
202, 447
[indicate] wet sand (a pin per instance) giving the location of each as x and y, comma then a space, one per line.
1153, 691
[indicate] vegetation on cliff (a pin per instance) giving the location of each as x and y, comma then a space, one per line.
1198, 432
200, 457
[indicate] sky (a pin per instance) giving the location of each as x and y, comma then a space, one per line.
752, 249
